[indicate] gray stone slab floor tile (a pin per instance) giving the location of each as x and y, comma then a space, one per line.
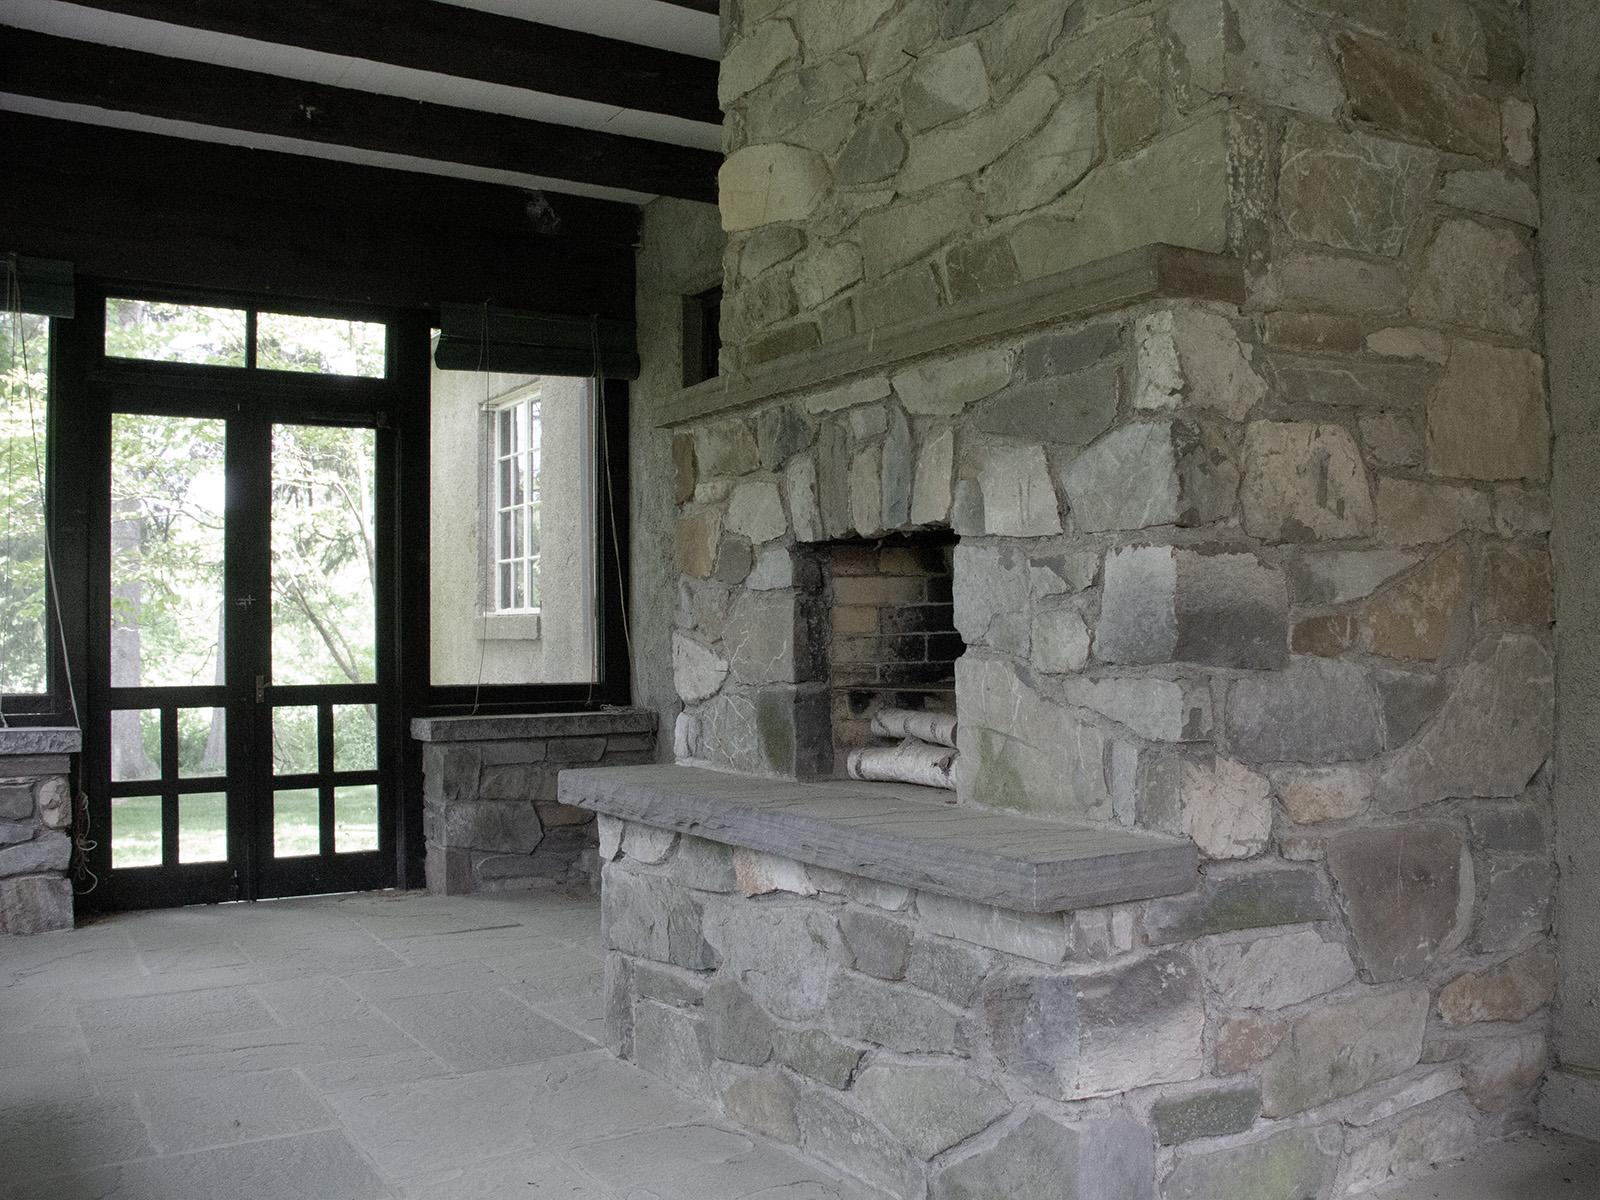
700, 1162
461, 1120
1535, 1166
186, 958
584, 1017
307, 953
473, 1031
257, 1050
469, 976
373, 1071
516, 1177
312, 1000
442, 949
311, 1166
174, 1017
45, 1138
187, 1114
548, 974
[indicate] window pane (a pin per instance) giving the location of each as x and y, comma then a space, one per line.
202, 742
320, 345
203, 827
25, 360
355, 738
182, 333
136, 831
294, 823
167, 488
355, 818
136, 744
294, 740
324, 559
493, 556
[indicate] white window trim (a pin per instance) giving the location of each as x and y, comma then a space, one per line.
496, 624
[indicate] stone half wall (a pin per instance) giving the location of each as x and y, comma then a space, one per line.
490, 813
35, 822
1270, 1035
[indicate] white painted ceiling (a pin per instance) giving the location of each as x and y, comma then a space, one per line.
647, 22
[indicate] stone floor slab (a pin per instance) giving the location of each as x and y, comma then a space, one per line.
474, 1031
533, 1176
698, 1162
166, 1019
1537, 1166
257, 1051
321, 1165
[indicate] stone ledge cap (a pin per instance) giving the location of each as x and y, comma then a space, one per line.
515, 726
39, 739
1153, 272
894, 833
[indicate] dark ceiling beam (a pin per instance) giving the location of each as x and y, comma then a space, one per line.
465, 42
64, 70
705, 6
146, 208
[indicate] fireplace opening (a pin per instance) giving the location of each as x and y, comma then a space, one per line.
892, 657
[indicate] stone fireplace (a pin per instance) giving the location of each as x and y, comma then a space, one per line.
1209, 359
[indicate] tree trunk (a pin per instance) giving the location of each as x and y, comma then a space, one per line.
128, 757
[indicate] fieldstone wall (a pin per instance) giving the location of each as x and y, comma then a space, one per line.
1268, 1036
490, 813
36, 812
889, 157
1273, 574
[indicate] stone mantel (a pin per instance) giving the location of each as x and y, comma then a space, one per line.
1155, 272
39, 739
894, 833
515, 726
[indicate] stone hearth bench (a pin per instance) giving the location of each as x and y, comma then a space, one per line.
894, 833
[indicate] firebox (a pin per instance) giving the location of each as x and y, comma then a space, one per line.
892, 656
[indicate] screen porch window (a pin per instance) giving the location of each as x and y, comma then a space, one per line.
24, 399
516, 447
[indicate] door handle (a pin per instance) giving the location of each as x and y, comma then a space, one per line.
261, 688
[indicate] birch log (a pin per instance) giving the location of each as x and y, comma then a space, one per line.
912, 761
936, 727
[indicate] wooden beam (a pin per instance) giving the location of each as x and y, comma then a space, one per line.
65, 70
145, 208
465, 42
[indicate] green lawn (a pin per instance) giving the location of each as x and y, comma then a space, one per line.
202, 825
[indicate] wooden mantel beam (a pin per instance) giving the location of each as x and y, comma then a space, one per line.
453, 40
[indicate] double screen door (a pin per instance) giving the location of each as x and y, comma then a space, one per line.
241, 682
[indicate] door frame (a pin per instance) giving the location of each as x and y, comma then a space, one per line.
95, 387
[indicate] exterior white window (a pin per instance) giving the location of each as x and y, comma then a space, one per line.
512, 533
515, 430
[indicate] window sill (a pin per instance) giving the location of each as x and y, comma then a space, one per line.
509, 627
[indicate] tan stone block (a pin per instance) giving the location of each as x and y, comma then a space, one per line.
1415, 618
1516, 989
1487, 417
1518, 587
1244, 1042
695, 542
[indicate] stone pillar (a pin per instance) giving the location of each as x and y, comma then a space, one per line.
36, 811
1565, 33
1260, 558
490, 814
